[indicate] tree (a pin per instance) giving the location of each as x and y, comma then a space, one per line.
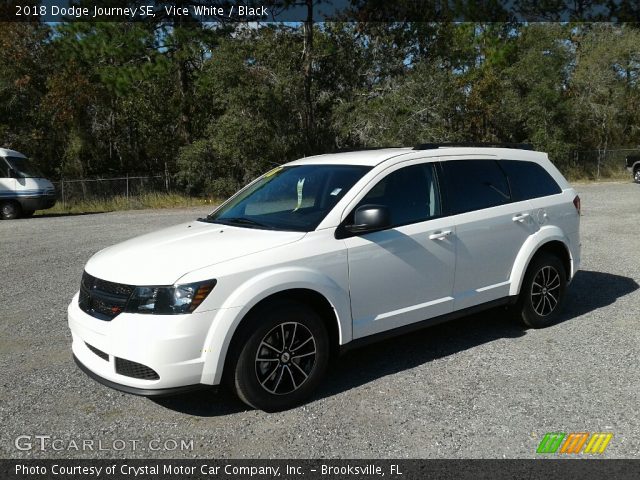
604, 88
24, 67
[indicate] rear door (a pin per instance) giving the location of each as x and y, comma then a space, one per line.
491, 228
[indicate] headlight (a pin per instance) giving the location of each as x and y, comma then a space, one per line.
169, 300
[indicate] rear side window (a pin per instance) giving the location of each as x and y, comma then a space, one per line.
4, 169
529, 180
474, 185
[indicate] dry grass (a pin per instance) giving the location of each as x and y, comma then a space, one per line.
148, 200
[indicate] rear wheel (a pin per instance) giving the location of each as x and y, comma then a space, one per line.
543, 291
636, 175
9, 210
281, 357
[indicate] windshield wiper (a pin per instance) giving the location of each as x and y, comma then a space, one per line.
239, 221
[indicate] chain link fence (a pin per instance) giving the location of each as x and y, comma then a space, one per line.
73, 191
600, 164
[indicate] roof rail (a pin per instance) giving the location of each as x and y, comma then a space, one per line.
360, 149
433, 146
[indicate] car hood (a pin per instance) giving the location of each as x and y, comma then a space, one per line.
162, 257
42, 185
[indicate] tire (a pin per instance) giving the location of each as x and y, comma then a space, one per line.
9, 210
272, 375
636, 175
543, 291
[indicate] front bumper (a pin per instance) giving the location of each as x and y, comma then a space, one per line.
145, 392
172, 346
37, 203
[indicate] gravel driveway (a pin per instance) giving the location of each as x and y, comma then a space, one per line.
479, 387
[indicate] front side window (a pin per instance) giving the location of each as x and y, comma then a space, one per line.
293, 198
474, 185
24, 167
411, 194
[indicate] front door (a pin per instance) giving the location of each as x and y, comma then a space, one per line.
403, 274
7, 184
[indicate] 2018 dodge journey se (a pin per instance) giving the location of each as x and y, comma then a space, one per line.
322, 254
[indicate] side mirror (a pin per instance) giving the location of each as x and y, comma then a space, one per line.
13, 173
370, 218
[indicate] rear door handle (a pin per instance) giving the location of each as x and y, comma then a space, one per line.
440, 235
521, 217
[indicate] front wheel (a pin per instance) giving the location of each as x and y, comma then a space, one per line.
543, 291
636, 175
281, 358
9, 210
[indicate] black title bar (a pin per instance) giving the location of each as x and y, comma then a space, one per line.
205, 11
549, 469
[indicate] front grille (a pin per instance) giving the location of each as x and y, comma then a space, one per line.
135, 370
102, 299
100, 353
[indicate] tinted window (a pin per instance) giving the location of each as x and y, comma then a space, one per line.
4, 169
411, 194
529, 180
475, 184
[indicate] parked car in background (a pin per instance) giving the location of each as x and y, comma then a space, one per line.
633, 165
23, 188
323, 254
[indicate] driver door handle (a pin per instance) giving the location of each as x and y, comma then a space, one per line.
521, 217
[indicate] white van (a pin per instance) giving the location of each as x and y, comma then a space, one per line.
23, 189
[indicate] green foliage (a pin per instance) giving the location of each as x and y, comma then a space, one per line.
218, 106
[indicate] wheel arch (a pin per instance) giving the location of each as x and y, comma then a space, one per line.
551, 241
303, 296
321, 294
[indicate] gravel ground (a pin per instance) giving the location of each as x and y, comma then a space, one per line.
479, 387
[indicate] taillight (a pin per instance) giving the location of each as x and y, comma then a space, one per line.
576, 203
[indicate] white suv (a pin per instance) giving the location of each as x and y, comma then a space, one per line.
320, 255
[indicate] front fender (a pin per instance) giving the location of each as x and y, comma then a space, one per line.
250, 293
546, 234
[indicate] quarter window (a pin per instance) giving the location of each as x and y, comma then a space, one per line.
411, 194
474, 185
529, 180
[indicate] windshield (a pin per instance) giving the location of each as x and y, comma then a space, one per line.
24, 167
290, 198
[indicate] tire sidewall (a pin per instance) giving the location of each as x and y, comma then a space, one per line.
529, 316
259, 325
